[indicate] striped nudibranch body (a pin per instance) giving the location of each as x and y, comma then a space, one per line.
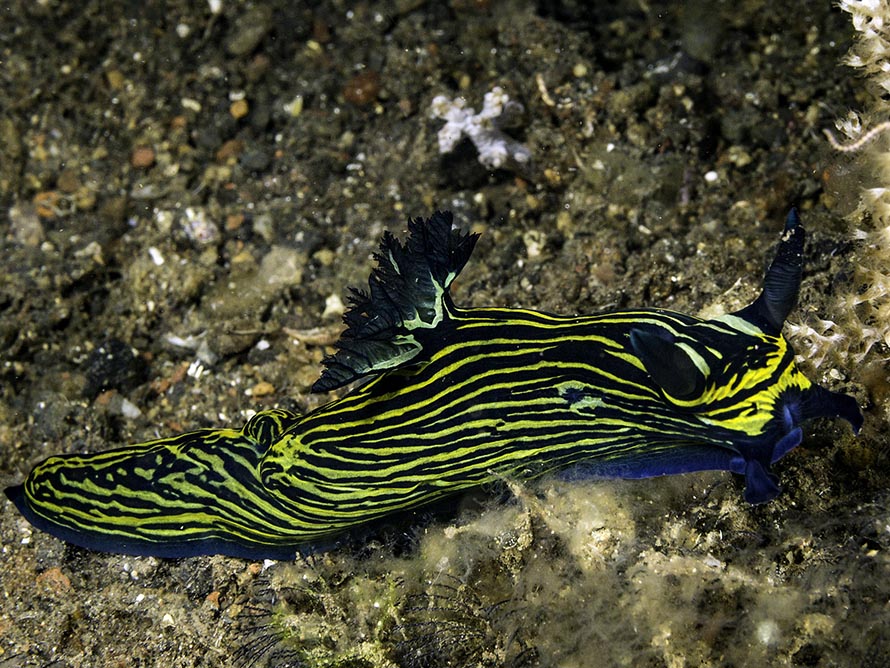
458, 397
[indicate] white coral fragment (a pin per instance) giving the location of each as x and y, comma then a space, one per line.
496, 149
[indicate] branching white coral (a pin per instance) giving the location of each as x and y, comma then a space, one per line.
496, 149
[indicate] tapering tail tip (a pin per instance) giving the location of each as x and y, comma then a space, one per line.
792, 220
15, 494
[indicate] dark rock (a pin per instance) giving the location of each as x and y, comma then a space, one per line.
114, 365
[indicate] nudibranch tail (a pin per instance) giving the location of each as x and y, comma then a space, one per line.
458, 397
192, 494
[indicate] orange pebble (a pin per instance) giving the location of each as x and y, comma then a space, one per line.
142, 157
239, 108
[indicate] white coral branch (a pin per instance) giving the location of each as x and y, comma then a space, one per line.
496, 149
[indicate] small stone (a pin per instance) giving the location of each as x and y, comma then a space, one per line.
362, 89
295, 106
115, 79
239, 108
231, 149
68, 181
199, 227
264, 225
249, 30
234, 221
142, 157
333, 307
534, 241
53, 581
114, 365
106, 398
26, 225
212, 600
262, 389
156, 256
191, 104
84, 200
261, 353
280, 268
129, 410
553, 176
324, 256
113, 209
256, 160
51, 412
47, 203
257, 67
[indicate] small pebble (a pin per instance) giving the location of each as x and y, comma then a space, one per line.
47, 203
262, 389
239, 108
231, 149
142, 157
156, 256
26, 225
234, 221
191, 104
295, 106
256, 160
363, 88
54, 581
199, 228
68, 181
333, 307
212, 600
129, 410
257, 67
553, 176
248, 30
114, 365
115, 79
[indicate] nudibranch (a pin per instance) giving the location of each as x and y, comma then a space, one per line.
455, 397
